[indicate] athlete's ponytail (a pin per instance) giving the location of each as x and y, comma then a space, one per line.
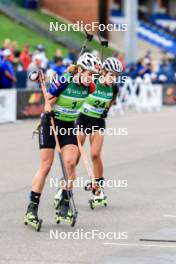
73, 69
103, 72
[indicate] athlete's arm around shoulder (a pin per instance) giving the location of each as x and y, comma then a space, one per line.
57, 85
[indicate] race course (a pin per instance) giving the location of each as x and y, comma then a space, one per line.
145, 209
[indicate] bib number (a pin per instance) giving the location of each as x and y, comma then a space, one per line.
99, 104
74, 105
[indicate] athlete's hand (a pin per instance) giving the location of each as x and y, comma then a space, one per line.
47, 107
105, 113
46, 118
49, 114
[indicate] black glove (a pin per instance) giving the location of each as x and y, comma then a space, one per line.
46, 118
105, 113
49, 114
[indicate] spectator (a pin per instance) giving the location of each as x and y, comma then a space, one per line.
41, 52
25, 57
72, 55
13, 48
18, 67
120, 57
58, 53
145, 68
35, 65
6, 45
7, 75
59, 67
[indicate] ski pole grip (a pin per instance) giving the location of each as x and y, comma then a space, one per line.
89, 36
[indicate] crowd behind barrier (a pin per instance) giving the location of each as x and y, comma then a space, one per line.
16, 64
144, 88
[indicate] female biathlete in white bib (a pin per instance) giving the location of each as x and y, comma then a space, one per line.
65, 98
92, 120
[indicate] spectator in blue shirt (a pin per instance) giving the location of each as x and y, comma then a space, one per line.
72, 55
59, 67
7, 75
145, 68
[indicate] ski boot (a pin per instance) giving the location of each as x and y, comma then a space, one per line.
90, 186
98, 200
65, 213
31, 217
57, 199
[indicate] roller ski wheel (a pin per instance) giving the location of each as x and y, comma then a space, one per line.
65, 214
31, 217
98, 203
56, 203
91, 202
32, 221
69, 219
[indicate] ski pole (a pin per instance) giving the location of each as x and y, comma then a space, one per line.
89, 38
104, 43
87, 165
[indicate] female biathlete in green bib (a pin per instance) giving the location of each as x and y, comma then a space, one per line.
65, 97
92, 120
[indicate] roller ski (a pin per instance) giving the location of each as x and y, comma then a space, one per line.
67, 212
31, 217
98, 200
57, 199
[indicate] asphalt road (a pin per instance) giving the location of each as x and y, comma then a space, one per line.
146, 208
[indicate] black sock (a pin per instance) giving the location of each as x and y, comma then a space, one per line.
35, 197
100, 181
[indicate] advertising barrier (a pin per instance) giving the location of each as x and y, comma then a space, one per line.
140, 95
136, 94
29, 104
8, 101
169, 94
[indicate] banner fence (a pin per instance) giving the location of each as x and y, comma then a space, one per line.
8, 105
139, 95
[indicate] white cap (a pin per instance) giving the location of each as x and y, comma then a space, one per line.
147, 61
37, 57
162, 78
7, 52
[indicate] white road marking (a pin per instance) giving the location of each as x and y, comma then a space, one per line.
138, 245
170, 216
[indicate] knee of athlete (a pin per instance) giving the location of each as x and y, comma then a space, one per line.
46, 166
95, 156
70, 164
